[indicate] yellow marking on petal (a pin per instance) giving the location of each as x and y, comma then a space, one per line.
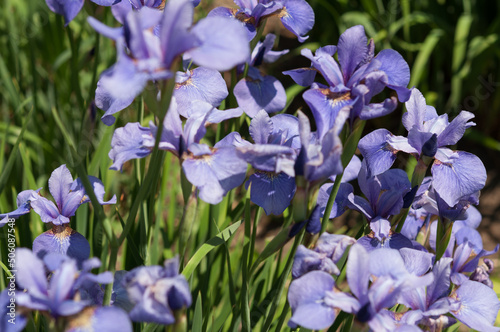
61, 232
161, 6
82, 320
270, 175
188, 82
283, 13
83, 198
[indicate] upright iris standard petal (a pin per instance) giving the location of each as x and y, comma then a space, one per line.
457, 174
352, 49
456, 129
256, 92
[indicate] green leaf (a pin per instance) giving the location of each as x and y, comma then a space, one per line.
209, 246
422, 61
272, 247
198, 316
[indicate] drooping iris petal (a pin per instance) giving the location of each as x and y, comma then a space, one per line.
479, 306
257, 92
398, 72
128, 143
223, 43
376, 110
269, 157
273, 192
378, 153
306, 260
325, 106
302, 76
214, 175
298, 17
108, 103
69, 8
306, 297
199, 84
457, 174
63, 240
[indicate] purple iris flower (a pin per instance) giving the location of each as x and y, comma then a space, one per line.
296, 15
273, 155
258, 91
456, 173
57, 294
69, 9
319, 157
69, 194
323, 257
314, 300
351, 86
157, 291
213, 170
428, 303
149, 43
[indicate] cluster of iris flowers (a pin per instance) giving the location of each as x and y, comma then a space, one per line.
416, 268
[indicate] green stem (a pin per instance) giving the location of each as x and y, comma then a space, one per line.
331, 200
74, 69
283, 278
